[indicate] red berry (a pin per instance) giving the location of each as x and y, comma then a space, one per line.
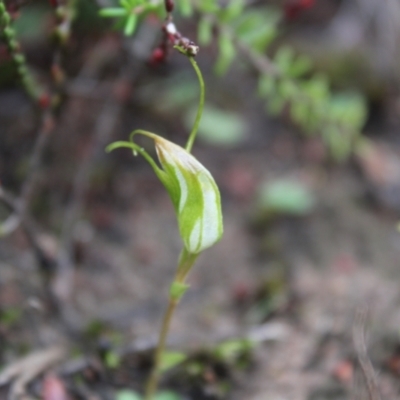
294, 8
44, 101
53, 3
157, 56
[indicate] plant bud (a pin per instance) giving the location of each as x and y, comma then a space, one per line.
194, 195
192, 189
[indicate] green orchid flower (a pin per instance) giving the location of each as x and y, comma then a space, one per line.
191, 187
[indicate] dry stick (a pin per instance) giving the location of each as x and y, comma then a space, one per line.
47, 123
105, 124
26, 369
47, 127
20, 205
45, 262
361, 349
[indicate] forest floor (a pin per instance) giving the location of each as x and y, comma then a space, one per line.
295, 284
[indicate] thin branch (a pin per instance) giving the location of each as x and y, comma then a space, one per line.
105, 124
362, 354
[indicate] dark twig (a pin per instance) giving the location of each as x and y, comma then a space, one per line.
46, 129
46, 263
23, 371
362, 354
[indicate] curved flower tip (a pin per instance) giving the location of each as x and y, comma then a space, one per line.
195, 196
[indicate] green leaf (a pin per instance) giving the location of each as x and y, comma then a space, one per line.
227, 53
299, 67
219, 127
166, 395
266, 86
287, 89
284, 58
177, 290
208, 6
285, 197
231, 11
112, 359
185, 7
204, 32
130, 25
229, 350
317, 88
299, 112
171, 359
112, 12
350, 108
339, 142
126, 394
10, 316
256, 28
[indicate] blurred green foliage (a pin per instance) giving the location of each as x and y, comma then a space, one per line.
285, 197
245, 35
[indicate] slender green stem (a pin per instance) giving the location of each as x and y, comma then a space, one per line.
193, 133
155, 373
186, 261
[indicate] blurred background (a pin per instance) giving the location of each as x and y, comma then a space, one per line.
301, 133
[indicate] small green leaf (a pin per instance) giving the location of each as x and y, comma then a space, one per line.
285, 197
185, 7
208, 6
10, 316
339, 142
231, 11
166, 395
299, 112
205, 31
112, 359
177, 290
218, 127
127, 395
227, 53
130, 25
229, 350
171, 359
299, 67
287, 89
284, 59
266, 86
256, 28
112, 12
